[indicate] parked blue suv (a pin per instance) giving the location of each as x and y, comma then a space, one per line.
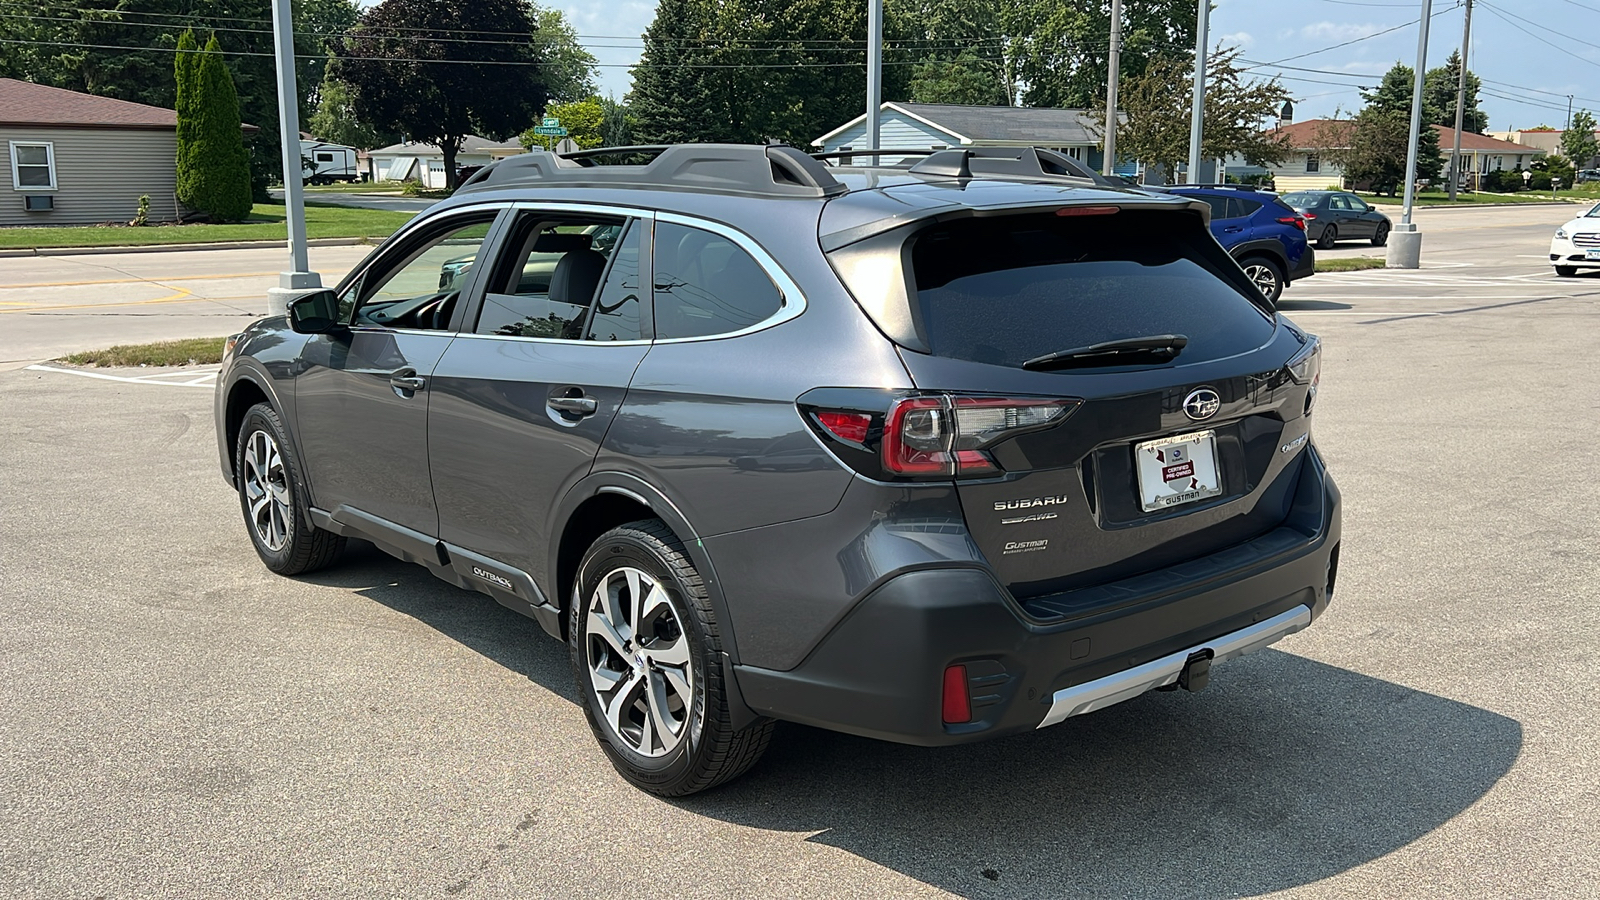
1265, 235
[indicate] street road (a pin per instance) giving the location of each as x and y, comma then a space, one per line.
177, 722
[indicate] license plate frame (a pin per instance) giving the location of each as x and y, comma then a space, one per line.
1592, 254
1176, 471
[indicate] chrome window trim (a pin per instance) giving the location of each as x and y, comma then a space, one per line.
787, 288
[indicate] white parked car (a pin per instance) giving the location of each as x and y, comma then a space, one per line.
1576, 244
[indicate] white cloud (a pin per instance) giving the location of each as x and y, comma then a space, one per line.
1241, 39
1338, 31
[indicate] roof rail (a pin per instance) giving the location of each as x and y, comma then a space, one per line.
748, 169
1016, 162
872, 151
1224, 187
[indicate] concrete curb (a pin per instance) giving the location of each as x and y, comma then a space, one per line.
1385, 206
162, 248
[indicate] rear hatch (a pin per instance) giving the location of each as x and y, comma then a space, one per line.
1169, 436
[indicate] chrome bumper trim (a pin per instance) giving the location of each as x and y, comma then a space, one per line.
1103, 692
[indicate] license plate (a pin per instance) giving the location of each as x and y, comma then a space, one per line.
1591, 254
1177, 470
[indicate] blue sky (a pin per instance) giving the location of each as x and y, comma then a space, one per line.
1515, 64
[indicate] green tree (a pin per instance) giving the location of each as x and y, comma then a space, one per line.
186, 65
1156, 130
568, 68
953, 47
409, 72
219, 165
1059, 48
1439, 97
1378, 141
584, 121
1578, 142
616, 128
335, 119
670, 98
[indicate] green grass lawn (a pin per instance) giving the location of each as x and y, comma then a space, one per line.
1467, 198
266, 223
1348, 263
360, 187
190, 351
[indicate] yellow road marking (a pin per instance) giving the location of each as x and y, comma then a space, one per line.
180, 297
153, 280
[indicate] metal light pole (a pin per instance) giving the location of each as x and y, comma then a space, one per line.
1197, 116
1405, 244
874, 72
299, 279
1109, 163
1461, 100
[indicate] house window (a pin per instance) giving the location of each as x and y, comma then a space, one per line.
33, 166
846, 160
1313, 163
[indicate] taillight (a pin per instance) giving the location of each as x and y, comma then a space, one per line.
956, 705
1308, 216
1306, 368
1296, 221
926, 436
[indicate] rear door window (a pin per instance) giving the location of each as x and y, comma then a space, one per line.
1007, 289
1238, 207
705, 284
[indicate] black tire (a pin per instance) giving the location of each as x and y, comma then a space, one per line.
1381, 236
1328, 237
708, 750
304, 547
1266, 274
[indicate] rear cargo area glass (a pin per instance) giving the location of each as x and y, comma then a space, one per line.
1002, 290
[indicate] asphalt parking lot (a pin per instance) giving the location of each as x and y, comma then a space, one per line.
177, 722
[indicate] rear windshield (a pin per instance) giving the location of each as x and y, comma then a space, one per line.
1302, 199
1005, 290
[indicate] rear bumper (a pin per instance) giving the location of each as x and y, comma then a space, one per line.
1306, 266
879, 672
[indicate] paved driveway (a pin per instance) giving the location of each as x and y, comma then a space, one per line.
175, 721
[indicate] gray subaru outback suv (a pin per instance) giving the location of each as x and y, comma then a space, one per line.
929, 452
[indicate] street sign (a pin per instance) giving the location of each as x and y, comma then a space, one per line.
567, 145
551, 122
550, 130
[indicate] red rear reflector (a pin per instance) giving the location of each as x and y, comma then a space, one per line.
846, 426
1088, 211
957, 705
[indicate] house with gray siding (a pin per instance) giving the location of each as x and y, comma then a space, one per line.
938, 126
78, 159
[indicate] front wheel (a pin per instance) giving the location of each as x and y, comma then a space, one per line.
646, 653
1267, 276
1567, 271
1381, 236
273, 502
1329, 237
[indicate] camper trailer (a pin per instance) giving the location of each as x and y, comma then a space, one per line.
326, 163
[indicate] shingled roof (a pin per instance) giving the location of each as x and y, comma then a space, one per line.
25, 103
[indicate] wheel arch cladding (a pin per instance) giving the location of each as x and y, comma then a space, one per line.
594, 516
244, 394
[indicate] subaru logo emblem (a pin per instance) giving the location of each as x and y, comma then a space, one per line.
1201, 404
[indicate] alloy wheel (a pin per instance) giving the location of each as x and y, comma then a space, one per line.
639, 662
1265, 279
266, 491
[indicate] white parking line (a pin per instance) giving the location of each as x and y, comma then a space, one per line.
206, 379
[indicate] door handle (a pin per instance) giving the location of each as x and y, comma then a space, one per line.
407, 382
573, 406
1232, 229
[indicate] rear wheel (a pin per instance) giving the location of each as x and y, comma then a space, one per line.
647, 656
272, 500
1266, 274
1567, 271
1329, 237
1381, 236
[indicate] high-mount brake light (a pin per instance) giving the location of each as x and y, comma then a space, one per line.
847, 426
1297, 221
1088, 211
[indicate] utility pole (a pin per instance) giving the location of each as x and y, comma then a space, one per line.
874, 72
1461, 100
1405, 245
1197, 116
1113, 72
299, 279
1569, 114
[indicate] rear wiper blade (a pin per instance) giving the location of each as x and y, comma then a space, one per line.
1156, 348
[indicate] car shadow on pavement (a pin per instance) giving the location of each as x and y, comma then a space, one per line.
1285, 771
1306, 305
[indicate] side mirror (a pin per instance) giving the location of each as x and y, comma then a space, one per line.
315, 313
